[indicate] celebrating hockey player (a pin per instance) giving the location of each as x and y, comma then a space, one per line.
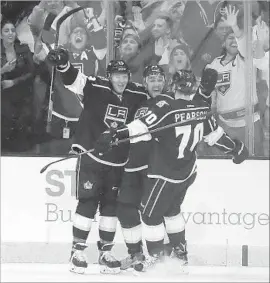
130, 192
108, 103
172, 160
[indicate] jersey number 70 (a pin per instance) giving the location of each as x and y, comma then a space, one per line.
188, 138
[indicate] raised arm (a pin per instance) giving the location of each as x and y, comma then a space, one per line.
74, 80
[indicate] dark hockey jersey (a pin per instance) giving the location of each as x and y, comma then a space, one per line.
173, 151
102, 109
138, 152
68, 104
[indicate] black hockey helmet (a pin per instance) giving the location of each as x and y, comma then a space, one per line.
184, 81
153, 70
118, 66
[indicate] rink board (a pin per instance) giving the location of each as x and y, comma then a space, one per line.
226, 213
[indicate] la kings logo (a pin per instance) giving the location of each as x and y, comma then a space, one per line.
115, 116
224, 82
140, 112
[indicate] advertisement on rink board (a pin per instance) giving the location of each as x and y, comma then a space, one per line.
227, 203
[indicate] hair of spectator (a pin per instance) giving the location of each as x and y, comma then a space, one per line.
6, 21
186, 50
167, 18
135, 37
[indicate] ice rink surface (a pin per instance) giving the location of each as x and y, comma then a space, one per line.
168, 272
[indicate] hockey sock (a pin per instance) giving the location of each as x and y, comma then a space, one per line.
154, 237
129, 218
177, 238
81, 228
107, 228
167, 245
175, 228
133, 238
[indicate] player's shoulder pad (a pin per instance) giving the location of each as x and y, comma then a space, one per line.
162, 100
136, 88
101, 81
199, 101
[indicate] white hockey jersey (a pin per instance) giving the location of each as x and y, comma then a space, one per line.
231, 91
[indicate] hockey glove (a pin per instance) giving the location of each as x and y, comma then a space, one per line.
109, 138
239, 153
208, 82
58, 57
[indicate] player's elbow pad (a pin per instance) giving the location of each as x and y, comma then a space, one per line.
214, 136
225, 143
68, 74
137, 127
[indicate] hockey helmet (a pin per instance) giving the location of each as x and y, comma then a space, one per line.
117, 66
184, 81
153, 70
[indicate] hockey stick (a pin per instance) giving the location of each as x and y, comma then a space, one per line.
128, 139
56, 43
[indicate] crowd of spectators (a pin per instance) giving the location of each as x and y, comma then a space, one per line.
175, 34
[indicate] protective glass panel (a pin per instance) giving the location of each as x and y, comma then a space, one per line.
205, 34
39, 115
173, 34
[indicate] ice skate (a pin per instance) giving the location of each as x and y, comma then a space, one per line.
149, 263
180, 252
108, 263
132, 260
78, 261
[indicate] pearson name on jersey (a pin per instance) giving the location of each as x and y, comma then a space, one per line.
173, 150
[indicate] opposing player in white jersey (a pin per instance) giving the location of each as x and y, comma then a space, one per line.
172, 160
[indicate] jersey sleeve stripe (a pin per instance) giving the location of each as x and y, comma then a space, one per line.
134, 91
101, 86
222, 146
82, 149
64, 117
174, 181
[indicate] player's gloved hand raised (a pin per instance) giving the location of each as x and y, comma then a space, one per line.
58, 57
240, 152
208, 81
105, 141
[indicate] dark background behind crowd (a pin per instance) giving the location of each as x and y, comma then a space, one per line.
175, 34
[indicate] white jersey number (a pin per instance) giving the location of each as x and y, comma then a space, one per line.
187, 133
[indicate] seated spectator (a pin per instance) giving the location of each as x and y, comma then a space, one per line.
17, 70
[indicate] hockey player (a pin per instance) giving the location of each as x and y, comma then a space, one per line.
130, 191
110, 102
172, 161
